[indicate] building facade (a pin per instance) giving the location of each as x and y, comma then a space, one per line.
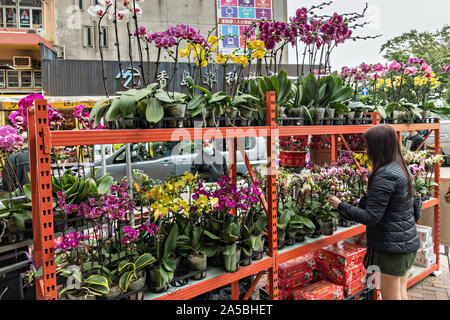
43, 43
23, 26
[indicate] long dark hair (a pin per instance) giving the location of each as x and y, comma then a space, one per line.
383, 148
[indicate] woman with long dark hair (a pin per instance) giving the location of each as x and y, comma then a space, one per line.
388, 213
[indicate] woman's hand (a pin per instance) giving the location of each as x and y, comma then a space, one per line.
334, 201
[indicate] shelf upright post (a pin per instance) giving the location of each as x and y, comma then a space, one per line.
41, 191
232, 142
437, 194
334, 149
272, 193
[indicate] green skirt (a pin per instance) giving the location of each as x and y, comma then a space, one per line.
394, 264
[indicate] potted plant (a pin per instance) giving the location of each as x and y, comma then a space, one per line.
208, 105
196, 258
320, 150
83, 288
324, 96
293, 151
231, 252
132, 274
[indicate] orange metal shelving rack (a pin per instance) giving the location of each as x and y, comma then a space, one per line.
41, 140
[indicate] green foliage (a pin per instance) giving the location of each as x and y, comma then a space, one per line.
80, 189
130, 271
434, 47
325, 92
92, 285
148, 102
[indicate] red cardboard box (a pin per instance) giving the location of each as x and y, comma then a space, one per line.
296, 267
298, 281
341, 254
355, 286
341, 276
283, 295
322, 290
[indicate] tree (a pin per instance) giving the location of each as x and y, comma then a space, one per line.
433, 47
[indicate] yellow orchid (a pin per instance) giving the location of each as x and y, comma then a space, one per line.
221, 58
231, 57
242, 60
213, 42
185, 52
203, 63
214, 202
258, 54
256, 45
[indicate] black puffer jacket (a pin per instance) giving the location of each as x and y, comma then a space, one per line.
389, 213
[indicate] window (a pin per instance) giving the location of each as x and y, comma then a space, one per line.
80, 4
26, 79
10, 17
104, 37
2, 79
37, 19
38, 79
88, 36
21, 14
12, 79
25, 20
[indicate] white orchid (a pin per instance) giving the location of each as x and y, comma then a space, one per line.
122, 15
97, 10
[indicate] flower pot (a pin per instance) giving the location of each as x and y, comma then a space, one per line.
319, 114
358, 116
320, 156
175, 111
113, 293
290, 239
197, 262
293, 158
345, 223
425, 115
246, 259
330, 114
88, 297
350, 117
231, 115
231, 257
395, 116
246, 116
300, 236
281, 240
156, 284
298, 112
335, 224
137, 284
259, 256
327, 228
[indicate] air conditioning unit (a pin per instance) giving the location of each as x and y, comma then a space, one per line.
60, 51
21, 62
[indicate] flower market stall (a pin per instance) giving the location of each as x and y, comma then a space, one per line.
182, 237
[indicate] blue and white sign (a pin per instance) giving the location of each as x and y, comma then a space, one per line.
365, 91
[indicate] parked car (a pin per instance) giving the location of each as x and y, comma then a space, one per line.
159, 159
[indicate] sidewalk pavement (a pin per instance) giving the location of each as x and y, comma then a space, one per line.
433, 287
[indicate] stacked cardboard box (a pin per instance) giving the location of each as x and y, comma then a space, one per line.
341, 264
425, 256
295, 274
322, 290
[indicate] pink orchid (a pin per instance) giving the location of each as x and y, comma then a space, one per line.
394, 66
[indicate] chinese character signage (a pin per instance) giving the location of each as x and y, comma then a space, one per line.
235, 16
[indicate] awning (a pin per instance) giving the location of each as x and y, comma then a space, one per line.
23, 40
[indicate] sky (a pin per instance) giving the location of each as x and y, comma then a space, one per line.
388, 17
